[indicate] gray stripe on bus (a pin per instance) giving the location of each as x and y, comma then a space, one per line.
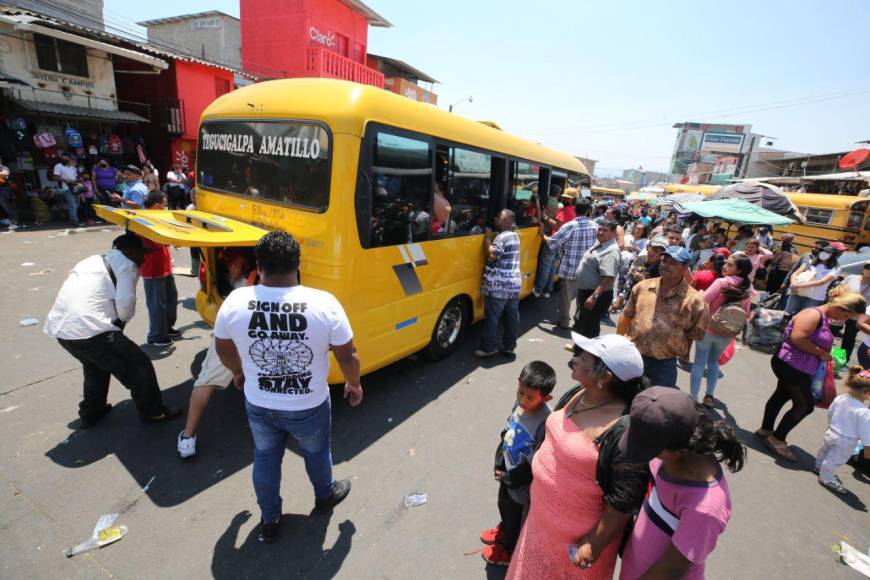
408, 279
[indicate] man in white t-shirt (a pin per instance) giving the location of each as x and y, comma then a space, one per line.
66, 176
275, 338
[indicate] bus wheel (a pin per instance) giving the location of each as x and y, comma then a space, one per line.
449, 329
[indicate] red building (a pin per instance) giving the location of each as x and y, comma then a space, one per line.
173, 100
309, 38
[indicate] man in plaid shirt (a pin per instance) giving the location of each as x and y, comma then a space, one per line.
574, 239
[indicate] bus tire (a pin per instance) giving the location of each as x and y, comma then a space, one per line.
449, 328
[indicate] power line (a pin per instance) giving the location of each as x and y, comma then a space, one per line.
638, 125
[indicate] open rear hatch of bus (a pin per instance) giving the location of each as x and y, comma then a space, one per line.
188, 228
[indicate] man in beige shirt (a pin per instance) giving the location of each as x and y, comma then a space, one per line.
663, 316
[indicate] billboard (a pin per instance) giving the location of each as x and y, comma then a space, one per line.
692, 141
723, 170
722, 142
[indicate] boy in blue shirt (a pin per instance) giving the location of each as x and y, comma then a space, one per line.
524, 433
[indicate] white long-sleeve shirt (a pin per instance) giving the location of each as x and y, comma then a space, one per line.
88, 302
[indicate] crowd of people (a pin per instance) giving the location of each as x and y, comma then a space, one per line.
623, 465
76, 183
575, 476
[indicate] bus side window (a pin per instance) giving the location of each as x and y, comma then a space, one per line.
523, 183
469, 177
401, 190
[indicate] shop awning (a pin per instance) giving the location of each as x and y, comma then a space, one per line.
25, 23
81, 112
737, 211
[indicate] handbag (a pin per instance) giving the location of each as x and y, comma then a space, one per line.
807, 275
727, 354
829, 388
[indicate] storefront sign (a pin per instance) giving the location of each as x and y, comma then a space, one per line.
722, 142
61, 80
199, 23
327, 39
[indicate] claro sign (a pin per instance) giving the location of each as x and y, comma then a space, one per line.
327, 39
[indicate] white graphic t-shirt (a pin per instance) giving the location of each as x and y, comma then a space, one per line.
283, 336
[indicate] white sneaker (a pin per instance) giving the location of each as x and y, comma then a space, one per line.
535, 293
186, 445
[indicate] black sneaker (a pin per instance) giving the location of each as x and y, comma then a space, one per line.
86, 422
166, 414
340, 489
269, 531
173, 332
160, 342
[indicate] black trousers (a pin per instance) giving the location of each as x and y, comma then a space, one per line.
791, 385
849, 335
111, 354
512, 515
588, 322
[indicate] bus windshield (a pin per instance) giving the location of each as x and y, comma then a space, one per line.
279, 161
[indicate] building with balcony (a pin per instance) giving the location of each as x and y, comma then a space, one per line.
309, 38
403, 79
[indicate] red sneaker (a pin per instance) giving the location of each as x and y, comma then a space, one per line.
496, 555
490, 536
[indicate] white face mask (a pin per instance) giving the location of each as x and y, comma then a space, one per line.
824, 256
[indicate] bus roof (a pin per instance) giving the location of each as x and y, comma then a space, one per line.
824, 200
346, 107
686, 188
607, 190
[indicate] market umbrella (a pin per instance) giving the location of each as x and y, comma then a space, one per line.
640, 196
679, 200
764, 195
737, 211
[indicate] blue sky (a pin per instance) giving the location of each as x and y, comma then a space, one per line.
608, 79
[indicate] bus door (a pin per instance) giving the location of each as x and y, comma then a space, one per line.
190, 229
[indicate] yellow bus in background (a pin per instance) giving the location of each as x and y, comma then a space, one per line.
836, 218
388, 197
600, 191
686, 188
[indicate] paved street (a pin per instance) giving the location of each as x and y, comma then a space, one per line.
422, 428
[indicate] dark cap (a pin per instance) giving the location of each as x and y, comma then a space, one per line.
130, 241
133, 169
661, 418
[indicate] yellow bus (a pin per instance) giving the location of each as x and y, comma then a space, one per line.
388, 198
599, 191
836, 218
686, 188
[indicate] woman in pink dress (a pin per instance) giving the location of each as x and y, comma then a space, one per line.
580, 500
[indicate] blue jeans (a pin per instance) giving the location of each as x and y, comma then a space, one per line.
544, 275
72, 206
495, 310
661, 373
795, 303
161, 298
707, 353
312, 429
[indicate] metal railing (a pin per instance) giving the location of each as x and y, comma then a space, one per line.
325, 63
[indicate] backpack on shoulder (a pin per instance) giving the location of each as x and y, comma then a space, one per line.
729, 320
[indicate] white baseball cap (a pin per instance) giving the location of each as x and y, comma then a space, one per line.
617, 352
